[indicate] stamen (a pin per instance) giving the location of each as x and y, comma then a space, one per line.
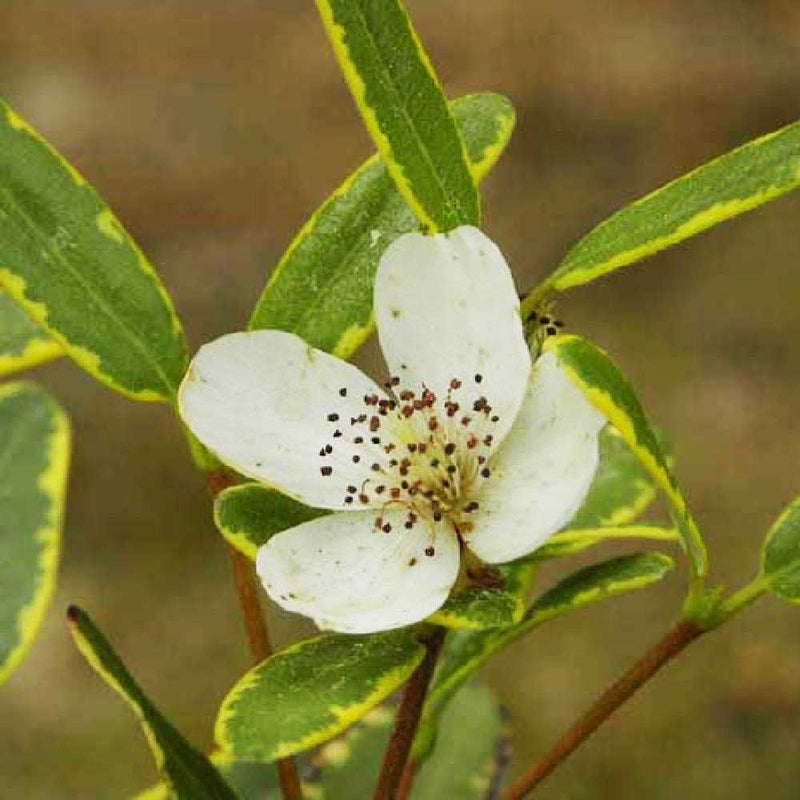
326, 471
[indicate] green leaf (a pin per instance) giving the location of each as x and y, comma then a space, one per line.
575, 540
312, 691
621, 490
780, 555
465, 652
736, 182
186, 770
65, 258
34, 458
250, 514
404, 109
322, 287
479, 607
462, 768
22, 343
604, 386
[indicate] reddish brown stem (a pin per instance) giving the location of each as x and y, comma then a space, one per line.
405, 725
255, 624
683, 634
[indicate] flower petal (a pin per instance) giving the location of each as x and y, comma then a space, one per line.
542, 473
351, 577
446, 308
269, 405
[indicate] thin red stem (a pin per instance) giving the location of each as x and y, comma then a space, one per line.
397, 751
255, 624
683, 634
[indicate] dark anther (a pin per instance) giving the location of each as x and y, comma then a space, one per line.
376, 440
328, 449
348, 499
362, 498
376, 467
437, 516
429, 551
551, 330
544, 319
486, 472
352, 489
386, 528
374, 424
449, 448
380, 489
343, 392
495, 418
470, 507
358, 440
333, 417
478, 378
326, 471
356, 459
455, 383
336, 434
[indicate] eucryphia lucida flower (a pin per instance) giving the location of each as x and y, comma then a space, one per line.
467, 445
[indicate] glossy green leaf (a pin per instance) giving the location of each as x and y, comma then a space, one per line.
780, 556
736, 182
312, 691
250, 514
65, 258
465, 652
404, 109
34, 458
479, 607
464, 766
604, 386
188, 773
322, 287
23, 344
622, 489
575, 540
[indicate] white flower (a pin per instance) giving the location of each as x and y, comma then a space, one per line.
468, 446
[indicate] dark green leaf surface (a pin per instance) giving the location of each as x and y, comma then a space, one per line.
604, 386
322, 287
67, 260
187, 771
404, 109
622, 489
479, 607
311, 692
465, 651
780, 556
34, 457
23, 344
250, 514
736, 182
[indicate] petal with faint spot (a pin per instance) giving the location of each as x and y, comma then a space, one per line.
352, 577
269, 405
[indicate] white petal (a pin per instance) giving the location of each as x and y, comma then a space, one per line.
446, 308
266, 403
353, 578
542, 473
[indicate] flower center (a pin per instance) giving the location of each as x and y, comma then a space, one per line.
429, 454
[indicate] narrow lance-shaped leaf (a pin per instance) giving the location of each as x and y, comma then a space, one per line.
780, 556
736, 182
23, 344
65, 258
34, 457
465, 652
621, 490
311, 692
188, 773
404, 109
593, 372
575, 540
323, 285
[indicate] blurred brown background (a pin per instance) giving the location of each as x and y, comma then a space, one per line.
214, 128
